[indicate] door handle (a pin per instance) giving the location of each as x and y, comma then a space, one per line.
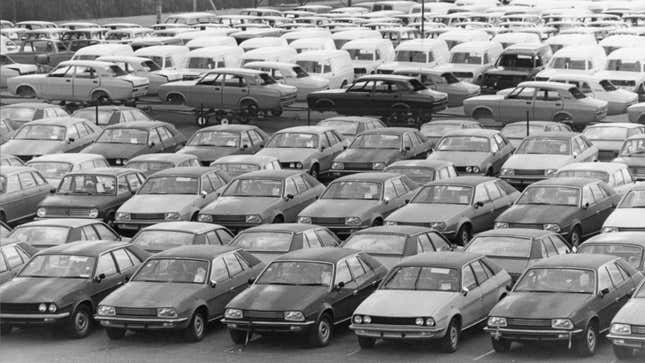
95, 82
355, 292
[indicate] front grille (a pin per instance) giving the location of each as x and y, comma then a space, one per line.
638, 329
393, 320
358, 166
9, 308
529, 323
328, 221
229, 218
532, 172
147, 216
72, 212
264, 315
525, 225
607, 154
136, 311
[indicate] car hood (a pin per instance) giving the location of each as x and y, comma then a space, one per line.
152, 294
425, 213
158, 203
242, 205
404, 303
76, 201
278, 297
537, 161
37, 289
115, 151
23, 68
32, 147
135, 80
626, 217
538, 214
329, 208
288, 154
532, 305
209, 153
460, 158
632, 312
636, 160
368, 155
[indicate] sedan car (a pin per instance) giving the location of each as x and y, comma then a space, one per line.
474, 151
628, 215
111, 114
213, 142
308, 291
423, 171
433, 131
349, 127
20, 113
609, 137
603, 89
54, 166
165, 235
627, 331
632, 154
236, 165
62, 285
442, 81
149, 164
183, 288
636, 113
431, 296
630, 246
10, 160
564, 299
21, 189
616, 175
12, 257
515, 132
46, 233
120, 143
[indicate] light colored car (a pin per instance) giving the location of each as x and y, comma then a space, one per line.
146, 68
417, 53
515, 132
616, 175
236, 165
202, 60
166, 56
22, 189
368, 54
609, 137
111, 114
10, 69
626, 332
92, 52
293, 75
213, 142
470, 60
628, 215
54, 166
632, 154
423, 171
17, 114
575, 60
618, 99
350, 126
334, 65
433, 131
81, 81
626, 70
636, 113
441, 81
149, 164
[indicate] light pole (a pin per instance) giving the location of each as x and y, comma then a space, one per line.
423, 18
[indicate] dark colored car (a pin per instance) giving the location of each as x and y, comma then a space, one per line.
390, 244
111, 114
265, 196
632, 154
517, 248
564, 299
52, 232
609, 137
213, 142
307, 291
375, 149
121, 142
269, 241
21, 189
350, 126
149, 164
12, 257
423, 171
93, 193
433, 131
165, 235
62, 286
397, 97
515, 132
19, 114
354, 202
574, 207
183, 288
630, 246
516, 64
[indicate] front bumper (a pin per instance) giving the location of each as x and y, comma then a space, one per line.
31, 319
135, 226
631, 341
526, 335
268, 326
384, 331
141, 322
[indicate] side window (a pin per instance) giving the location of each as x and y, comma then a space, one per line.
559, 244
342, 273
424, 242
324, 140
232, 264
355, 267
3, 266
326, 238
86, 165
439, 242
399, 187
443, 173
164, 133
480, 194
133, 181
218, 270
389, 191
255, 137
604, 281
27, 180
104, 232
82, 132
206, 184
245, 139
242, 261
231, 80
407, 141
224, 236
494, 147
122, 259
468, 278
587, 196
333, 138
549, 248
212, 239
12, 184
216, 181
627, 176
154, 138
310, 239
136, 260
123, 184
598, 192
616, 277
89, 234
290, 187
106, 265
72, 133
301, 185
13, 257
38, 178
493, 192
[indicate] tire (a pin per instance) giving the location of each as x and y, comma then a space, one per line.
623, 353
366, 342
320, 334
80, 322
5, 329
575, 237
501, 345
202, 120
315, 171
175, 99
276, 112
26, 92
197, 327
482, 114
100, 97
587, 344
450, 341
115, 333
237, 336
464, 234
248, 111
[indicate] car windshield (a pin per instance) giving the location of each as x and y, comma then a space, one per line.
59, 266
264, 241
311, 66
160, 240
235, 169
300, 73
516, 61
439, 128
293, 140
444, 194
633, 199
88, 184
376, 141
175, 270
464, 143
41, 132
544, 145
40, 235
556, 280
590, 174
606, 132
466, 58
361, 54
124, 136
170, 184
90, 115
422, 278
518, 130
352, 189
23, 114
150, 66
625, 66
633, 254
380, 244
633, 147
607, 85
346, 128
550, 195
52, 169
501, 246
419, 175
415, 56
254, 188
569, 63
299, 273
149, 167
215, 138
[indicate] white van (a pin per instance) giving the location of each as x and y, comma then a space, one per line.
217, 32
560, 41
91, 52
166, 56
578, 59
614, 42
306, 33
458, 36
508, 39
469, 61
270, 54
255, 43
626, 69
334, 65
203, 60
305, 44
203, 42
342, 37
422, 53
368, 54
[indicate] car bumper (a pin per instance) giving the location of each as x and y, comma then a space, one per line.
383, 331
31, 319
631, 341
524, 335
521, 180
268, 326
141, 322
135, 226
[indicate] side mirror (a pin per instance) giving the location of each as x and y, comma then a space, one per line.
245, 146
322, 148
479, 204
464, 291
99, 278
288, 197
251, 280
71, 140
340, 285
585, 206
344, 147
212, 283
407, 201
151, 144
386, 200
603, 292
203, 194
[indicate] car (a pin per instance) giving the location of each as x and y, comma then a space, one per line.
515, 249
54, 166
20, 113
293, 75
7, 130
625, 70
93, 193
50, 136
431, 296
12, 257
550, 101
469, 60
81, 81
423, 171
45, 233
375, 149
474, 151
44, 53
349, 127
442, 81
433, 131
166, 235
631, 154
626, 329
121, 142
308, 291
616, 175
515, 132
565, 299
21, 189
62, 286
575, 59
10, 160
310, 148
401, 99
236, 165
636, 113
111, 114
145, 68
391, 244
213, 142
264, 196
182, 288
609, 137
574, 207
457, 207
593, 86
175, 194
628, 212
149, 164
269, 241
627, 245
9, 68
517, 63
540, 155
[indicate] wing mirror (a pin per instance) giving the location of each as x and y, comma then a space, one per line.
603, 292
245, 146
345, 147
386, 200
251, 280
99, 278
288, 197
52, 190
585, 206
203, 194
212, 283
339, 286
322, 148
464, 291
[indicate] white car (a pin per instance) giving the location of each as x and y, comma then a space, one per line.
10, 69
595, 87
292, 75
628, 215
636, 113
144, 67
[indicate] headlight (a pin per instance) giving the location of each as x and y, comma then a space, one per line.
353, 221
507, 172
253, 219
620, 329
439, 226
304, 220
93, 213
609, 229
551, 227
549, 172
117, 161
496, 322
501, 225
120, 216
476, 169
419, 321
106, 310
367, 319
42, 307
205, 218
358, 319
293, 316
41, 212
469, 169
378, 166
297, 165
337, 165
430, 322
233, 314
561, 324
172, 216
390, 223
52, 308
166, 312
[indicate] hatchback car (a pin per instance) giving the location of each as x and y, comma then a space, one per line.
21, 189
515, 132
20, 113
630, 246
626, 331
149, 164
236, 165
54, 166
350, 126
628, 213
166, 235
111, 114
616, 175
213, 142
46, 233
423, 171
609, 137
433, 131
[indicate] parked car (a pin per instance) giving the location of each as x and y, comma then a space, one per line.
456, 292
44, 53
348, 127
54, 166
442, 81
304, 292
72, 279
368, 54
626, 332
563, 298
213, 142
236, 165
12, 257
517, 248
515, 132
265, 196
625, 70
111, 114
618, 99
433, 131
616, 175
423, 171
9, 69
45, 233
517, 63
628, 212
183, 288
7, 130
91, 52
573, 207
609, 137
10, 160
575, 59
166, 235
21, 189
20, 113
333, 65
469, 60
631, 154
627, 245
171, 57
121, 142
149, 164
417, 53
293, 75
636, 113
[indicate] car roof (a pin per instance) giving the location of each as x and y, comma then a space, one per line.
322, 254
389, 130
84, 248
617, 124
104, 171
631, 237
283, 227
272, 174
188, 226
370, 176
386, 77
467, 180
66, 157
472, 132
183, 171
597, 165
515, 232
62, 121
421, 162
535, 123
36, 105
555, 134
163, 157
307, 129
138, 125
440, 259
229, 127
546, 84
238, 71
574, 260
6, 170
395, 229
246, 158
195, 251
572, 182
65, 222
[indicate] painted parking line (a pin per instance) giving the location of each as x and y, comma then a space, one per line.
484, 355
353, 352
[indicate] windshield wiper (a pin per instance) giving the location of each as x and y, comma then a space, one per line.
312, 284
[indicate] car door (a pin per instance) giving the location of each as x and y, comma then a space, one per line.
85, 81
604, 205
234, 89
383, 96
326, 153
58, 84
355, 98
109, 278
15, 205
223, 290
342, 296
499, 204
515, 106
488, 286
245, 139
472, 300
483, 210
589, 211
207, 92
547, 103
294, 201
607, 303
32, 194
364, 283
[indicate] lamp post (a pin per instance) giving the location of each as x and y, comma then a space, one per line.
423, 17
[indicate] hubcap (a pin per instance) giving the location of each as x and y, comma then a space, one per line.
81, 322
591, 339
453, 336
323, 330
199, 325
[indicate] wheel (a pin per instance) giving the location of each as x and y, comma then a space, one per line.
248, 111
450, 341
202, 120
366, 342
26, 92
575, 236
320, 334
80, 322
482, 114
398, 116
276, 112
101, 98
237, 336
587, 344
315, 171
623, 353
278, 219
501, 345
5, 329
464, 234
115, 333
197, 327
175, 99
